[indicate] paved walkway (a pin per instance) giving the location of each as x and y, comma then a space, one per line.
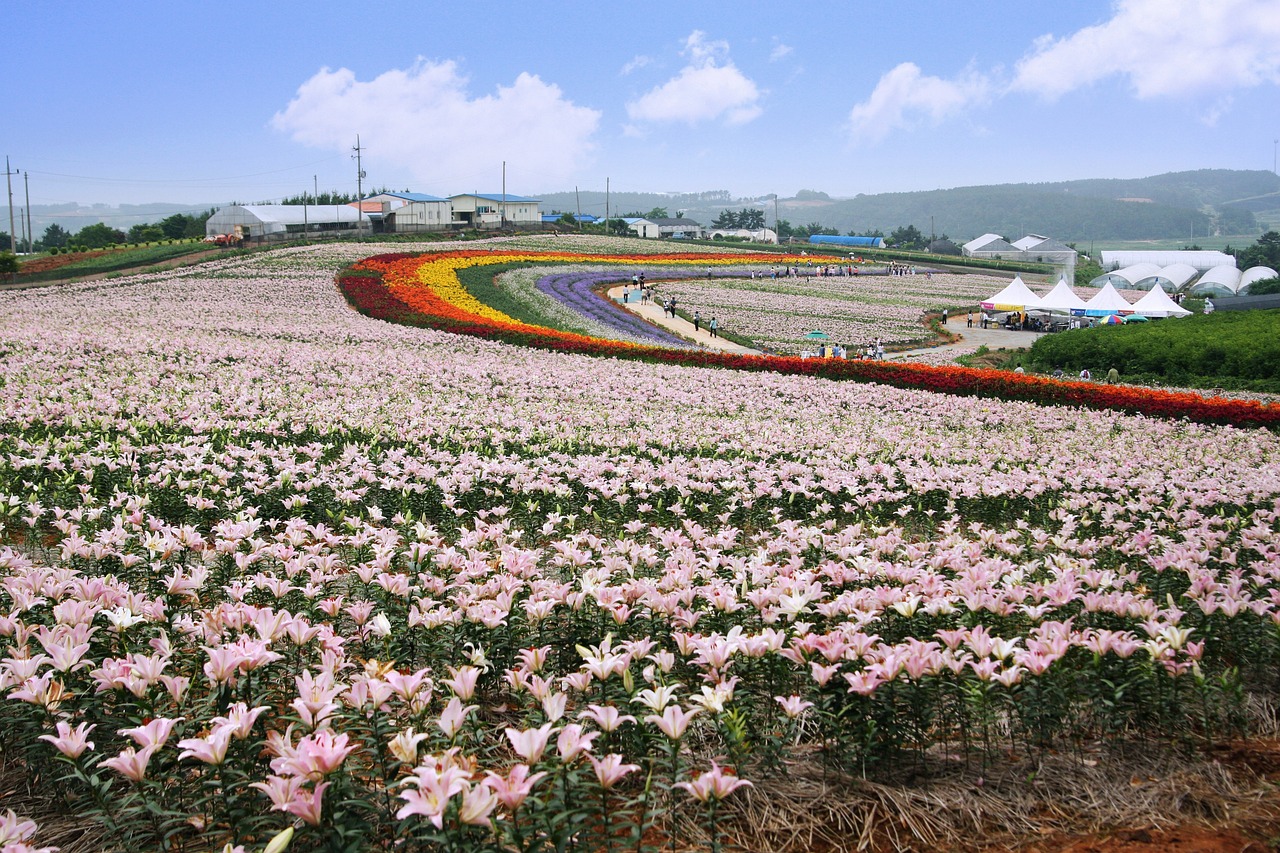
992, 337
682, 327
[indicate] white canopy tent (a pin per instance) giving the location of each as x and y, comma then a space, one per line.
1107, 301
1062, 300
1158, 304
1015, 297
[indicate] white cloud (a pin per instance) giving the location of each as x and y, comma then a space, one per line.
423, 119
1164, 48
640, 61
780, 51
905, 97
708, 88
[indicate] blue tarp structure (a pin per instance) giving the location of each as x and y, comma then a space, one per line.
852, 242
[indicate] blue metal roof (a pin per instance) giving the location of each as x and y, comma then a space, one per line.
585, 217
410, 196
510, 199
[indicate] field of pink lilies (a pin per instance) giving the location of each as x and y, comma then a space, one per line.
277, 575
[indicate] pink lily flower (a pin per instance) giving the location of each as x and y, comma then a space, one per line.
610, 770
714, 784
673, 722
71, 742
308, 805
529, 744
155, 732
572, 742
513, 788
211, 749
131, 763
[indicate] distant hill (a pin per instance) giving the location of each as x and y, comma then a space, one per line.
1185, 206
1177, 205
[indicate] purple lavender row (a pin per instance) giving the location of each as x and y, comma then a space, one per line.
574, 291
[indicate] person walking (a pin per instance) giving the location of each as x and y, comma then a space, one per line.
1113, 376
944, 316
697, 321
968, 320
715, 327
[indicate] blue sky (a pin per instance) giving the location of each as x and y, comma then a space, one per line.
189, 103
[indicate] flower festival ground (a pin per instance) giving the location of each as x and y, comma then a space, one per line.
276, 572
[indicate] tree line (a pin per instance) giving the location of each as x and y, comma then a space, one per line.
99, 235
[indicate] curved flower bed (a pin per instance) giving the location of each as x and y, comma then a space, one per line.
424, 290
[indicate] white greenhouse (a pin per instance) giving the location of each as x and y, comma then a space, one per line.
265, 222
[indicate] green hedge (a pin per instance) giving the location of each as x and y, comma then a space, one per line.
1233, 350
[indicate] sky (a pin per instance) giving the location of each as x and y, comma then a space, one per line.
198, 103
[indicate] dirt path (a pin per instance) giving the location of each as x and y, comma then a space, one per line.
654, 314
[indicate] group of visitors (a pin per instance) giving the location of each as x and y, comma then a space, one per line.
1113, 375
638, 288
644, 295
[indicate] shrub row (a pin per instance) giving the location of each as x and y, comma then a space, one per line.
1239, 350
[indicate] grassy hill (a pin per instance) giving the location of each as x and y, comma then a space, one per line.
1181, 206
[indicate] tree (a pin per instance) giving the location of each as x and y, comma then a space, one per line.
1264, 253
657, 213
751, 217
818, 228
55, 236
8, 265
786, 230
99, 235
726, 219
907, 237
1264, 287
175, 227
145, 233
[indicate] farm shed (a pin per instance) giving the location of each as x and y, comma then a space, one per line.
423, 213
642, 227
494, 210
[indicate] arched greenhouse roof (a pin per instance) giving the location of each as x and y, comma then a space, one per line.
1222, 280
1171, 278
1128, 277
1249, 276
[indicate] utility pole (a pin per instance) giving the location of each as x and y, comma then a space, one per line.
606, 205
503, 216
578, 198
777, 232
31, 237
359, 190
13, 241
